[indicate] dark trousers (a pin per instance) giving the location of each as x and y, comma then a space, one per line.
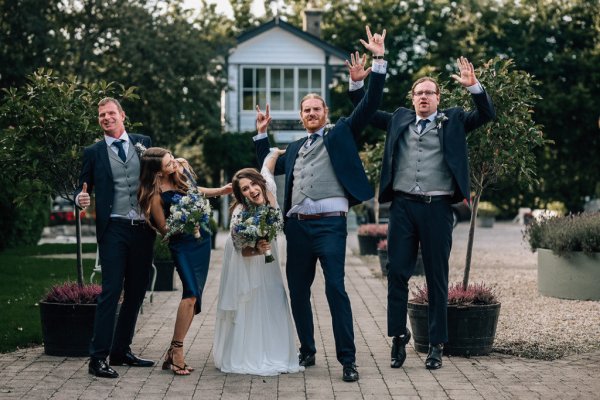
324, 240
430, 224
126, 254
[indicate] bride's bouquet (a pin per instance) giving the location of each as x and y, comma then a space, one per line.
256, 223
188, 213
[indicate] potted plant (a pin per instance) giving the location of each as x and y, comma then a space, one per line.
486, 214
45, 125
568, 250
502, 149
382, 252
470, 330
368, 237
164, 267
67, 312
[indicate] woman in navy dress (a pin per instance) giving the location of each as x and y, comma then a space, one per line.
160, 181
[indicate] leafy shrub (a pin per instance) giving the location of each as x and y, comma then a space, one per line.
576, 232
372, 230
72, 293
475, 294
161, 250
487, 210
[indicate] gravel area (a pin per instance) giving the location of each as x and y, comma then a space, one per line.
530, 325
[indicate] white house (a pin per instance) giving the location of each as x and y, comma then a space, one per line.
277, 63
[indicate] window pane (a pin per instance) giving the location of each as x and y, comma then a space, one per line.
288, 101
288, 78
248, 103
275, 100
315, 81
261, 78
247, 77
261, 98
302, 78
275, 78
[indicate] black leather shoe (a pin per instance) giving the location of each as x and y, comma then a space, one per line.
434, 357
130, 359
101, 369
350, 373
306, 360
398, 349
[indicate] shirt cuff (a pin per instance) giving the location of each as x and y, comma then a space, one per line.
379, 66
259, 136
77, 200
355, 85
476, 88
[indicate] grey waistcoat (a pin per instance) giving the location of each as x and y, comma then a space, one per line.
314, 176
126, 177
419, 162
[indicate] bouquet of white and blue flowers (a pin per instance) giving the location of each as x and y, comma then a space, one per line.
256, 223
188, 213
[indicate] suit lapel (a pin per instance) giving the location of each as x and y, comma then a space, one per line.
103, 156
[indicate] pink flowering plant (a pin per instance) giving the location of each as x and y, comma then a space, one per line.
382, 245
373, 230
73, 293
474, 294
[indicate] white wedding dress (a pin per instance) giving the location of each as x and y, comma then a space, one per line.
254, 333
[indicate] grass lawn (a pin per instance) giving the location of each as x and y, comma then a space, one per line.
24, 279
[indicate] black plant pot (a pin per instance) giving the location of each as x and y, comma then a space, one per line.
67, 328
164, 276
367, 245
471, 329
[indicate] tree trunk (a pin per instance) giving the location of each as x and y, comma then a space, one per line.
78, 236
470, 240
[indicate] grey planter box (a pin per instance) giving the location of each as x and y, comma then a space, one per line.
575, 276
485, 222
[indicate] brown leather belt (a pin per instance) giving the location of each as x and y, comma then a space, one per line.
423, 198
301, 217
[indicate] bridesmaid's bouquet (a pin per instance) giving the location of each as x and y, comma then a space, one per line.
188, 213
256, 223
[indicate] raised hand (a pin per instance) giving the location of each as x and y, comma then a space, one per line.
467, 72
84, 197
262, 119
376, 42
356, 67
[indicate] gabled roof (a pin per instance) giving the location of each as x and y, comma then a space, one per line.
277, 22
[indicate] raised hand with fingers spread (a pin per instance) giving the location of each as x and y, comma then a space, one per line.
467, 72
356, 67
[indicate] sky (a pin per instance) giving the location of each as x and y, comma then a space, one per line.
224, 7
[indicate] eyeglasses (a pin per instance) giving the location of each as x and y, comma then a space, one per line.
424, 92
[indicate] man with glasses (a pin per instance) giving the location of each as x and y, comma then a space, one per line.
424, 170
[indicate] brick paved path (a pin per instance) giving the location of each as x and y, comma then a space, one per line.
32, 375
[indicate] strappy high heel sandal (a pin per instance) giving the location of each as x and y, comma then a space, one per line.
169, 364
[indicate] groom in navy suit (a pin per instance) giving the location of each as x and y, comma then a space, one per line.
323, 178
111, 167
424, 169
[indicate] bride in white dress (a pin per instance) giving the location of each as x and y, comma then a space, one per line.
253, 331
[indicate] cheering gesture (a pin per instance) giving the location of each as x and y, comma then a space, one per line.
262, 119
467, 72
356, 67
376, 42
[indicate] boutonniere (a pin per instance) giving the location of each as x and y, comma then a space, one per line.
328, 127
440, 119
139, 149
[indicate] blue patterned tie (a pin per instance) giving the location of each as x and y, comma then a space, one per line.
121, 153
423, 123
312, 138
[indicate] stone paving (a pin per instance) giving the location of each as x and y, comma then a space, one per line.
30, 374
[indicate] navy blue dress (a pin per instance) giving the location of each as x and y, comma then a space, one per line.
190, 255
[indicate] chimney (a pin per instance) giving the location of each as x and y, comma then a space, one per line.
311, 20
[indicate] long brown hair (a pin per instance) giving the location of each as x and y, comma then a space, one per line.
254, 176
150, 166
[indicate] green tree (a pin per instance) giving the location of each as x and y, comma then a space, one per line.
503, 148
45, 126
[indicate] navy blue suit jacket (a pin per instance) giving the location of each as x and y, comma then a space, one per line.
341, 146
96, 172
453, 138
